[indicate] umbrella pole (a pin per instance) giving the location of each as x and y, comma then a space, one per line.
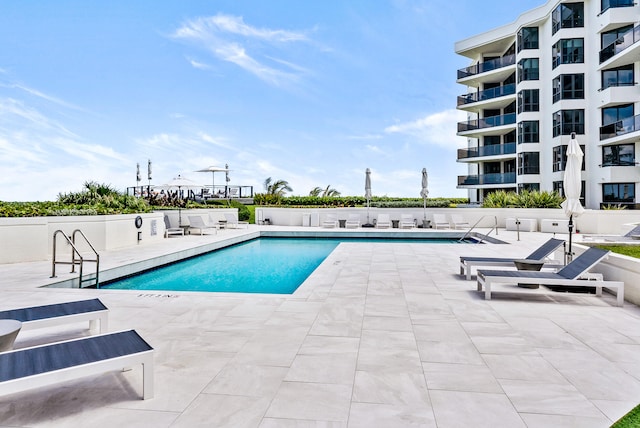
569, 254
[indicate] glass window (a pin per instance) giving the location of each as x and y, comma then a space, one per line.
567, 15
621, 76
609, 37
616, 113
509, 138
528, 163
558, 186
568, 51
560, 157
567, 121
619, 155
528, 131
618, 192
568, 87
490, 140
528, 38
529, 186
528, 100
606, 4
528, 69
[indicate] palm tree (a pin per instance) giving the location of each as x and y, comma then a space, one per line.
324, 193
278, 187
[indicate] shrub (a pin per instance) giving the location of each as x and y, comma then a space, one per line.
525, 199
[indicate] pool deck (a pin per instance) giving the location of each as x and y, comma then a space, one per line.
378, 336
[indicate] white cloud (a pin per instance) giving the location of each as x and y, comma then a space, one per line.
365, 137
375, 149
437, 129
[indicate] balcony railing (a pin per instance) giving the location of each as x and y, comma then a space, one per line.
487, 122
488, 94
492, 150
483, 67
621, 127
609, 4
475, 180
622, 43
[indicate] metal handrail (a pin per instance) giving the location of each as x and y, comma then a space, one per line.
495, 227
76, 257
97, 259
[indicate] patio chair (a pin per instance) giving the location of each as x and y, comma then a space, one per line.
459, 222
407, 221
196, 222
233, 222
168, 230
575, 274
541, 253
330, 221
383, 221
91, 310
50, 364
440, 221
353, 222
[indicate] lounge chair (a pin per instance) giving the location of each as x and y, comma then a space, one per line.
440, 221
353, 222
630, 236
459, 222
383, 221
575, 274
61, 313
407, 221
331, 220
232, 221
196, 222
168, 230
50, 364
541, 253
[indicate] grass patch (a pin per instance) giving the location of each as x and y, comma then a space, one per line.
627, 250
631, 419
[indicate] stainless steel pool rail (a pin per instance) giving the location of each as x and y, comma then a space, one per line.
495, 227
76, 258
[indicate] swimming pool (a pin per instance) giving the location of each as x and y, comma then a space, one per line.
262, 265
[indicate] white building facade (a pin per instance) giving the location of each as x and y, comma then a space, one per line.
562, 68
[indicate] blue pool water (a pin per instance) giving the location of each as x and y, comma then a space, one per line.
263, 265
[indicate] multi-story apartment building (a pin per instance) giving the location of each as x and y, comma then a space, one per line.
561, 68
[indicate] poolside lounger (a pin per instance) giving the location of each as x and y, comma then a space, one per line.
383, 221
196, 222
330, 221
569, 276
407, 221
44, 365
168, 230
459, 222
466, 263
353, 222
61, 313
440, 220
232, 221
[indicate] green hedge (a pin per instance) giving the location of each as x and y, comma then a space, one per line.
353, 201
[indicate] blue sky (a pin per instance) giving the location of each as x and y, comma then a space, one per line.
312, 92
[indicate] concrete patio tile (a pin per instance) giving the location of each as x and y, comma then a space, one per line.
561, 421
212, 410
299, 423
609, 383
387, 323
368, 415
328, 368
513, 345
450, 352
315, 401
454, 409
247, 380
460, 377
440, 331
523, 367
614, 410
390, 387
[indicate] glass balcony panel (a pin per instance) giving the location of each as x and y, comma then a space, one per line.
475, 180
621, 127
608, 4
484, 67
620, 44
488, 94
487, 122
492, 150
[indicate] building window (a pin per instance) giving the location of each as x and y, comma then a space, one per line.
528, 38
528, 131
560, 157
618, 192
609, 37
568, 87
567, 121
528, 100
491, 140
528, 163
532, 187
616, 113
621, 76
558, 187
568, 51
606, 4
567, 15
528, 69
619, 155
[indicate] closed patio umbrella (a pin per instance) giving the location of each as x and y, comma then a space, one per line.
367, 192
424, 193
572, 184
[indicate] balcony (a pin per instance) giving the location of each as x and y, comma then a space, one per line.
487, 122
492, 150
610, 4
623, 93
487, 179
621, 127
486, 95
621, 44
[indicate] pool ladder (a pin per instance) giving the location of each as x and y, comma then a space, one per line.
495, 227
77, 259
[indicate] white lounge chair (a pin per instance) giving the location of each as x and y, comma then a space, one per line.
233, 222
44, 365
575, 274
459, 222
440, 221
330, 221
168, 230
383, 221
353, 222
196, 222
407, 221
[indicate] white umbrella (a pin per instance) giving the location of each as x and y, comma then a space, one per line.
572, 185
180, 183
424, 193
367, 191
213, 170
